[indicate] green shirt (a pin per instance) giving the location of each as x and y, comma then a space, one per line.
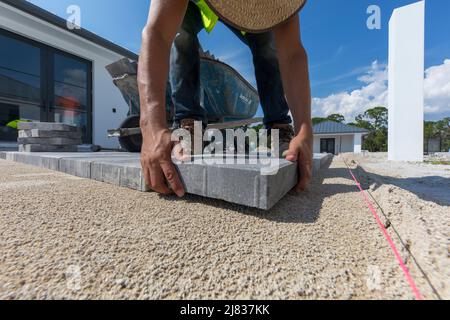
209, 18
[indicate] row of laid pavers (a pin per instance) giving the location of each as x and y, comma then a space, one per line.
246, 184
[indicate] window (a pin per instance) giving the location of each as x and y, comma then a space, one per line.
20, 85
71, 91
38, 82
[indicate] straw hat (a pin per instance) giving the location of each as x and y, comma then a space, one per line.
255, 15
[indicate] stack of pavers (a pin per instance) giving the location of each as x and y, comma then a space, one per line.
48, 137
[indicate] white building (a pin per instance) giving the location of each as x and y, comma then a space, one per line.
50, 73
335, 138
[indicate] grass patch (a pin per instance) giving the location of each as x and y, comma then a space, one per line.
439, 162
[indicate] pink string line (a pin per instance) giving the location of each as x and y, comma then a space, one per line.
389, 240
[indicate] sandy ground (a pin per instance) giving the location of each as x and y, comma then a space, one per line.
416, 200
67, 238
428, 181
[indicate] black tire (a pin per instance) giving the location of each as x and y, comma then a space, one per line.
131, 143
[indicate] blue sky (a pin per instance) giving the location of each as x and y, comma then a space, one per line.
341, 48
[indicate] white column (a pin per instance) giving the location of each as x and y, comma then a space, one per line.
406, 77
357, 143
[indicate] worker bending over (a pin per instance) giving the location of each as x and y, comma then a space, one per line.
271, 29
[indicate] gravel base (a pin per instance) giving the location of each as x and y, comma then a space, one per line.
68, 238
416, 199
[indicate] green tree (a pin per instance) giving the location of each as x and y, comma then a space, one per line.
374, 120
317, 120
339, 118
438, 129
443, 127
333, 117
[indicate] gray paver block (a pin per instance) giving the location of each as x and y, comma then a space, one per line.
277, 186
46, 148
76, 167
47, 126
50, 141
36, 133
133, 178
32, 159
125, 173
242, 184
89, 166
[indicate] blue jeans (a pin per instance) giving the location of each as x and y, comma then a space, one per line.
185, 72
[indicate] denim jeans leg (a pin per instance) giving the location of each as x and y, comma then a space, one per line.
268, 76
184, 73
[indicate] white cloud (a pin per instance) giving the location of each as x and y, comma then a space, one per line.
374, 92
437, 89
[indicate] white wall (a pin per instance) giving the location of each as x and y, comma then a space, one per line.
357, 143
406, 78
105, 95
347, 143
344, 143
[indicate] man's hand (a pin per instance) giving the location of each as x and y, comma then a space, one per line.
157, 162
300, 151
164, 19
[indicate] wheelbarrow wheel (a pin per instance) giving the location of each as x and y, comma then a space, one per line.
131, 143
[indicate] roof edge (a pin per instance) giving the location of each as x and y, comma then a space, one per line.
59, 22
353, 129
340, 133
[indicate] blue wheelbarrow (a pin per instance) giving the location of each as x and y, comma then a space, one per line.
229, 100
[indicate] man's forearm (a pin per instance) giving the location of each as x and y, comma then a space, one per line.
297, 87
152, 78
164, 19
293, 62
